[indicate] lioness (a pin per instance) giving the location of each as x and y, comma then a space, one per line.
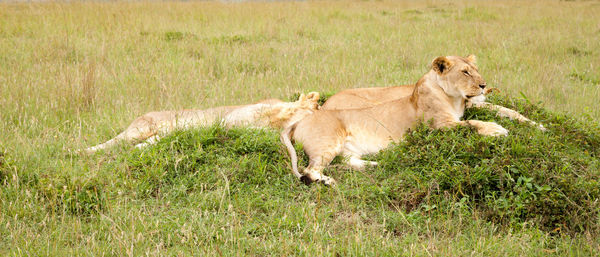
369, 97
272, 113
440, 96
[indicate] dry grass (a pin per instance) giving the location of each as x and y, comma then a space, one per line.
89, 68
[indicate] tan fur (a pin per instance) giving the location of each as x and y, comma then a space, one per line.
272, 113
369, 97
440, 96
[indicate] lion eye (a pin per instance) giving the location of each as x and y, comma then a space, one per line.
466, 73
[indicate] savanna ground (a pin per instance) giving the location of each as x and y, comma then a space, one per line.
75, 74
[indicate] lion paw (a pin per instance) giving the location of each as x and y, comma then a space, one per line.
539, 126
328, 181
306, 180
492, 129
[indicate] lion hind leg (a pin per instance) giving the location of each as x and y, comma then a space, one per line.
318, 162
104, 145
140, 129
315, 174
321, 144
357, 163
150, 141
123, 137
126, 136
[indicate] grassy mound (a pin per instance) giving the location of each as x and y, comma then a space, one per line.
545, 179
549, 179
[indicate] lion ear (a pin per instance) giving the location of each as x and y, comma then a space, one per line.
302, 97
472, 59
313, 96
441, 64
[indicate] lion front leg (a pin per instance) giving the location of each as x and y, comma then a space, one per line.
507, 113
150, 141
485, 128
357, 163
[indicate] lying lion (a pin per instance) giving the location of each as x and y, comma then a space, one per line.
440, 96
272, 113
369, 97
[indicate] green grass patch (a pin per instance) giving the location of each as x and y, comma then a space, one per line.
176, 35
546, 179
235, 186
72, 195
206, 158
585, 77
5, 167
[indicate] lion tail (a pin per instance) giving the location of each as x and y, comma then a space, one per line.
285, 136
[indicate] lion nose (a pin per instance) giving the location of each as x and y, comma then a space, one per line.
482, 86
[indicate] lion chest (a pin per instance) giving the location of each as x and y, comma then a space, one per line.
458, 109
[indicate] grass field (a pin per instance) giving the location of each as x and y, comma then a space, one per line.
75, 74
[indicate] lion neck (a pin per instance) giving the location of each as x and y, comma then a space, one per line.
433, 103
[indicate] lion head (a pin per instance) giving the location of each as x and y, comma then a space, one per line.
309, 101
458, 76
